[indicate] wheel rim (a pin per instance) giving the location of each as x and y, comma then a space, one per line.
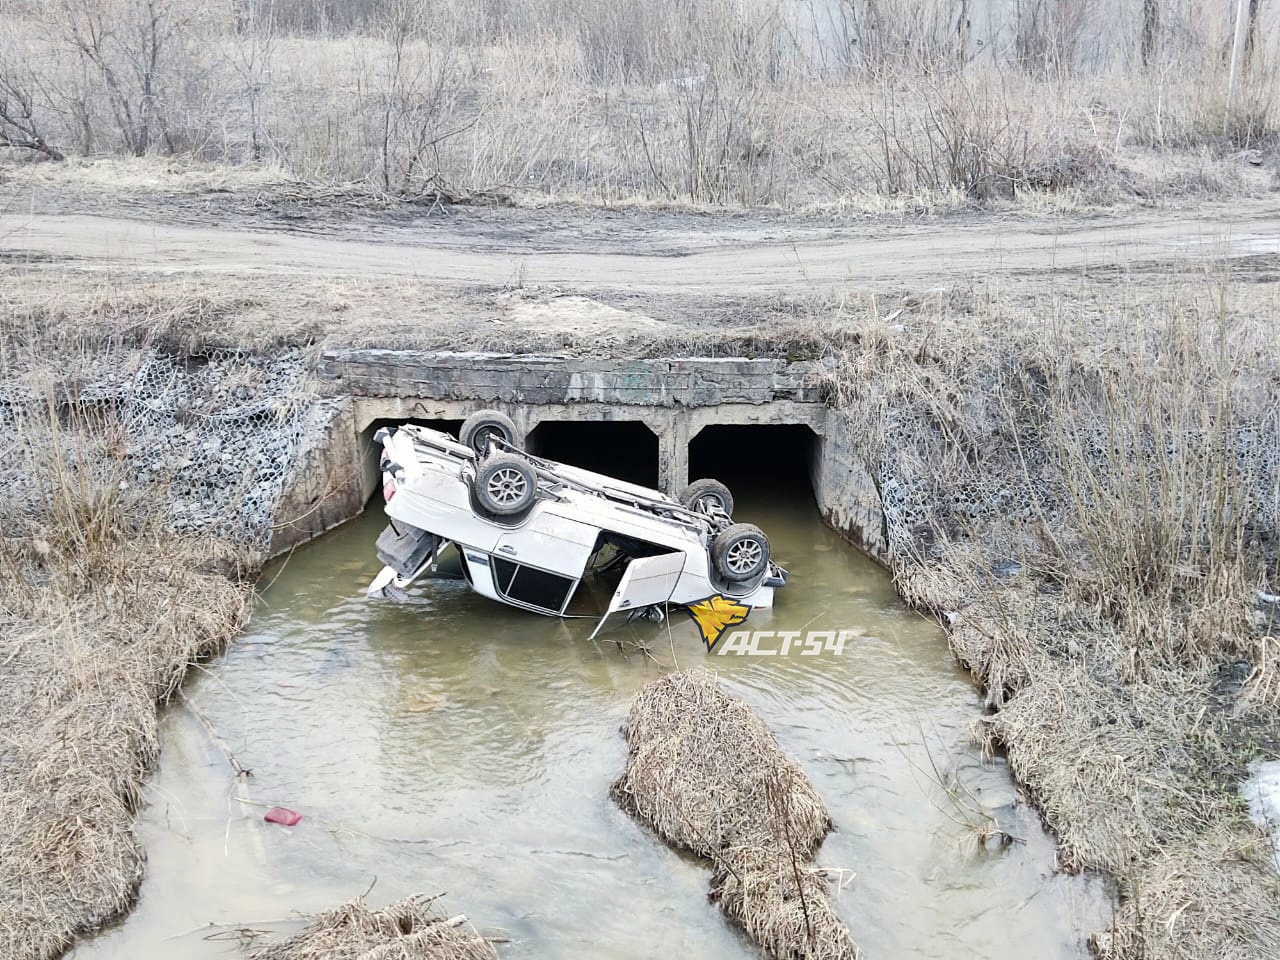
709, 503
743, 556
507, 486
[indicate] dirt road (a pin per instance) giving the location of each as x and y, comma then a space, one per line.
659, 255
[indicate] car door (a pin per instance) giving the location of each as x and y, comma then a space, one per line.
646, 581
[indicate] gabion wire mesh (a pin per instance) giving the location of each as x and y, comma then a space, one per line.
1024, 483
215, 435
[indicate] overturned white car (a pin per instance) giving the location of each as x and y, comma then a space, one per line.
547, 537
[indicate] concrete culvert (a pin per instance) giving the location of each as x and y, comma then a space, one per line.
759, 459
407, 930
622, 449
706, 774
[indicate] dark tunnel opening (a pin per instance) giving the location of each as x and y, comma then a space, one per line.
757, 460
371, 452
450, 427
626, 450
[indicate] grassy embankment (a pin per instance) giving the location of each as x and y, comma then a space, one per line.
104, 608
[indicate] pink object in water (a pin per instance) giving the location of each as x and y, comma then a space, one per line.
283, 816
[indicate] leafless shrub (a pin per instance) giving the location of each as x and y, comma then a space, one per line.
985, 134
1047, 33
22, 120
896, 38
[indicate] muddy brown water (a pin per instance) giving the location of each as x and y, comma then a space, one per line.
451, 745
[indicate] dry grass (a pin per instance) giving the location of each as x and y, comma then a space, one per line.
1089, 492
410, 929
104, 609
720, 103
188, 315
706, 774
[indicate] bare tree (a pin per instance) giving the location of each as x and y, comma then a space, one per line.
1150, 31
251, 54
1251, 34
126, 41
424, 73
19, 126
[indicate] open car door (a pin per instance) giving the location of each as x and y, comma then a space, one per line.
647, 581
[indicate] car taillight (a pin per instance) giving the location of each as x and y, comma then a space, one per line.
388, 489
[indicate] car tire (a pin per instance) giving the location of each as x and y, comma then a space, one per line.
702, 491
505, 484
482, 425
740, 552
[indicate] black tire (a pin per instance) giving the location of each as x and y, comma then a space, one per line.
740, 552
505, 484
478, 428
702, 491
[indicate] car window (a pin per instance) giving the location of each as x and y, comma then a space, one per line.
535, 587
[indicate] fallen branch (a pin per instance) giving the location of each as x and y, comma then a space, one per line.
241, 771
33, 143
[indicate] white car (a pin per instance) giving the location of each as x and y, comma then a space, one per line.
543, 536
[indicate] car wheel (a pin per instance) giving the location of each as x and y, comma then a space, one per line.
704, 496
505, 484
740, 552
485, 425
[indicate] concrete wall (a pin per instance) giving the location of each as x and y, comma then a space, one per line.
844, 486
676, 399
329, 484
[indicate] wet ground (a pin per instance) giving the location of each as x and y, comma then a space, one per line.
453, 745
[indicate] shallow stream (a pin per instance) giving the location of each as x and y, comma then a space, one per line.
453, 745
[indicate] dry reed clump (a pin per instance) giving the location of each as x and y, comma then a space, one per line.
104, 611
706, 774
1211, 895
407, 930
783, 904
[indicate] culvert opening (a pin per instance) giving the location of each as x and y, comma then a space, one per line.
757, 459
371, 480
627, 450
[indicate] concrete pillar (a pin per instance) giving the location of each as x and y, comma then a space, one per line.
673, 454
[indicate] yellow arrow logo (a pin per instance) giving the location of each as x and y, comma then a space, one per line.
715, 615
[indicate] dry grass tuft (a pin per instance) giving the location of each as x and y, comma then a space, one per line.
706, 774
783, 905
1212, 895
407, 930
